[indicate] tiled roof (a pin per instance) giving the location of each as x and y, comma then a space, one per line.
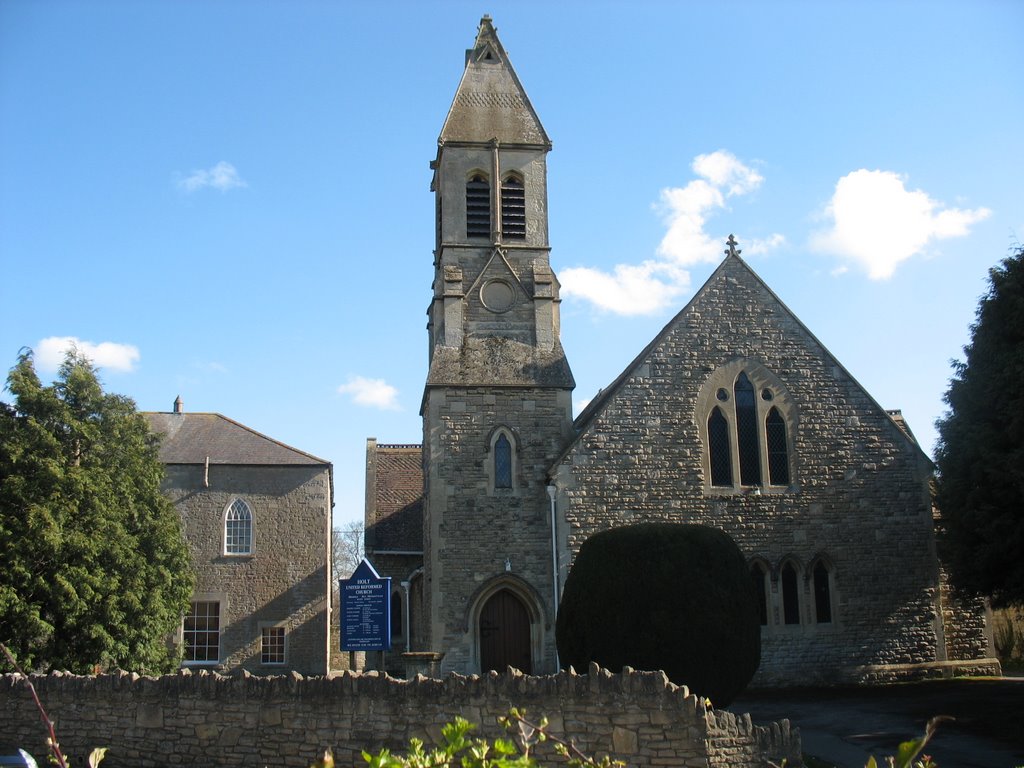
396, 520
192, 438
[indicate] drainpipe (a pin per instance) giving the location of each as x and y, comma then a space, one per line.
405, 606
552, 491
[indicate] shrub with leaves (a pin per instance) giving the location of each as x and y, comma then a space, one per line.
459, 748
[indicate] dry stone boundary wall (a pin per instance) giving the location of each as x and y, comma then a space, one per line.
206, 719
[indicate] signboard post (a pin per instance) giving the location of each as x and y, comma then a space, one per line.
365, 610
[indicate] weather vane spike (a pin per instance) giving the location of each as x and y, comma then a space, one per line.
732, 250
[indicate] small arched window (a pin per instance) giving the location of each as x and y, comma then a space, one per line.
502, 462
238, 529
790, 594
478, 207
513, 208
760, 578
778, 449
718, 449
822, 594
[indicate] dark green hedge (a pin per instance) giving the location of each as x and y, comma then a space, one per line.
663, 596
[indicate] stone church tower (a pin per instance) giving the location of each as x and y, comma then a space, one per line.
497, 406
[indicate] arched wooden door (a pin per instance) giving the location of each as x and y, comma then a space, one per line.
505, 634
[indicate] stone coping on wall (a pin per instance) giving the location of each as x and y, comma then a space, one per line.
242, 719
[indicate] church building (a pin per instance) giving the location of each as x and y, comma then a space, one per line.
734, 416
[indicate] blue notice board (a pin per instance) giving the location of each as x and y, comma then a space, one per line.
365, 610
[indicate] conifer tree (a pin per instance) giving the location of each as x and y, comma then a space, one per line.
980, 453
94, 571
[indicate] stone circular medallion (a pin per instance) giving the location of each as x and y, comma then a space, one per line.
498, 295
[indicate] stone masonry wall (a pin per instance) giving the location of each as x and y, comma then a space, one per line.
285, 579
857, 499
210, 720
968, 624
482, 538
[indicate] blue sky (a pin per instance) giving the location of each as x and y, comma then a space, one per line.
229, 201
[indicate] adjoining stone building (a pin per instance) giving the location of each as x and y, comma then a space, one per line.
735, 416
256, 514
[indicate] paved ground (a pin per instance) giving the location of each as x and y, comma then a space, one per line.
843, 726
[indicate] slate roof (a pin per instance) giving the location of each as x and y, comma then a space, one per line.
397, 517
191, 438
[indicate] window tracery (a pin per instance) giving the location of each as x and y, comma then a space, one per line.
748, 421
238, 529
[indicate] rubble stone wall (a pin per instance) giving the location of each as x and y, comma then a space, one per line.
243, 720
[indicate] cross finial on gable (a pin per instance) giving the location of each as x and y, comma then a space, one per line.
732, 250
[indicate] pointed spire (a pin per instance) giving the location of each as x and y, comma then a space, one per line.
491, 103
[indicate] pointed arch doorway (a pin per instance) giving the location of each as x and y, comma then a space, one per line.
504, 633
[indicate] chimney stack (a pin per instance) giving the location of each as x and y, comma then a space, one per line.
179, 406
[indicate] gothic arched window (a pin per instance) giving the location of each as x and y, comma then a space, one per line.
822, 594
778, 448
513, 208
719, 451
759, 576
748, 421
478, 206
238, 529
746, 431
790, 594
502, 462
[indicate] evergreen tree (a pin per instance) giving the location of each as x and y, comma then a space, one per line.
93, 567
980, 454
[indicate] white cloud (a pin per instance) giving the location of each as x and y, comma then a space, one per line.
633, 289
222, 176
878, 223
761, 246
723, 169
649, 287
686, 209
50, 353
373, 393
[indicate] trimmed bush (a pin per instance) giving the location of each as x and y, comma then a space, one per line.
673, 597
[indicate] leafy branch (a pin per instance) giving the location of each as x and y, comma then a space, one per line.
460, 750
56, 756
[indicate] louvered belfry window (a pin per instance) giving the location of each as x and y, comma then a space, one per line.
513, 209
478, 207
